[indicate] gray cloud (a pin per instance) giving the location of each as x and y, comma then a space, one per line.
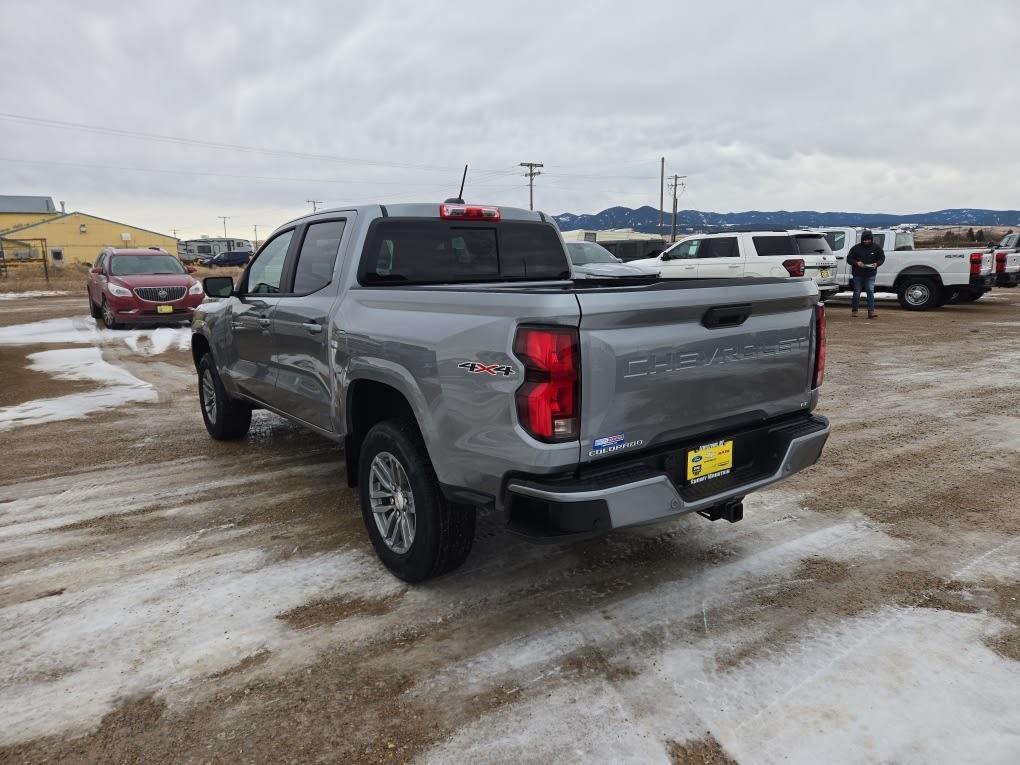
897, 107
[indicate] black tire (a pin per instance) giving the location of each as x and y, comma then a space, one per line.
443, 532
227, 419
107, 314
94, 311
919, 293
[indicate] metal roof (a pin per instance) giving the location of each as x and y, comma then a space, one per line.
15, 204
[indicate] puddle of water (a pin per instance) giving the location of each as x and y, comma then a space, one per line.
85, 330
119, 387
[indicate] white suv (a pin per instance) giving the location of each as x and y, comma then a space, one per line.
749, 254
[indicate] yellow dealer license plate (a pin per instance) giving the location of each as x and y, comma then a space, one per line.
824, 273
709, 461
164, 309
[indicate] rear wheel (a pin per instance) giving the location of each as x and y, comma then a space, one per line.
415, 532
226, 418
919, 293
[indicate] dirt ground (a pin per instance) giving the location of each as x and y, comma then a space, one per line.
167, 598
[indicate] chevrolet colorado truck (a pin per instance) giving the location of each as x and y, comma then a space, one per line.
449, 351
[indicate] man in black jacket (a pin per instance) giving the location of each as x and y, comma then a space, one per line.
864, 259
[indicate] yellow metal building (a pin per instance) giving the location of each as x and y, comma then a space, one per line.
77, 237
16, 211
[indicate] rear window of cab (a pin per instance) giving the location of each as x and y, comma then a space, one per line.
401, 252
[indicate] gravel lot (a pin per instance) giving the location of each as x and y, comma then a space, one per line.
164, 597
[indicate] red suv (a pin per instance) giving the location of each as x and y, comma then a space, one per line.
142, 287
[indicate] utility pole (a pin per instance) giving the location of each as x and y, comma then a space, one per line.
675, 184
531, 172
662, 187
314, 203
256, 227
174, 232
224, 218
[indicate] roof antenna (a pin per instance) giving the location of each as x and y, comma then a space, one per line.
459, 199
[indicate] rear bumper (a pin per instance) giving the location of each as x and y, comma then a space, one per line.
1007, 280
650, 488
983, 282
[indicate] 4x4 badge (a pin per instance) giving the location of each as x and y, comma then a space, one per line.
479, 368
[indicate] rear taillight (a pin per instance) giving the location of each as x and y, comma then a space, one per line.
975, 264
821, 343
1000, 262
794, 266
468, 212
548, 402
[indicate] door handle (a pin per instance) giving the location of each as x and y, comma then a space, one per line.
736, 266
840, 257
264, 322
312, 327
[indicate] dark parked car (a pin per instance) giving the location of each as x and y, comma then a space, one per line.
137, 286
232, 258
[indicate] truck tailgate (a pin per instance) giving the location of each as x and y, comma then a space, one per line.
670, 362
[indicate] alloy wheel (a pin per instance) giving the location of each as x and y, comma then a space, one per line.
209, 395
392, 502
918, 294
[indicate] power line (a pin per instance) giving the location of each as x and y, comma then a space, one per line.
314, 203
182, 140
199, 173
532, 171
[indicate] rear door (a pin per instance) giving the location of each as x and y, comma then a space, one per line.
250, 364
302, 334
719, 258
666, 362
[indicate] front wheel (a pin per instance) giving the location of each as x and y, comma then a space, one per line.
109, 318
226, 418
919, 294
415, 532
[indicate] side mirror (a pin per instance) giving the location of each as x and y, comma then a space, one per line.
665, 256
96, 270
190, 269
218, 286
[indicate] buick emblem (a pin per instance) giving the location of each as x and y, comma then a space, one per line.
162, 294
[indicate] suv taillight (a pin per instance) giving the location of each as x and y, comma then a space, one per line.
1000, 262
794, 266
975, 264
548, 402
821, 345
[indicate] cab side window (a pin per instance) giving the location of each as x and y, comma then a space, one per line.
266, 272
318, 256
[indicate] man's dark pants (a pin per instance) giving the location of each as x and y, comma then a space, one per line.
866, 283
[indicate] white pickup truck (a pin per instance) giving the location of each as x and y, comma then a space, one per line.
921, 279
1007, 261
749, 254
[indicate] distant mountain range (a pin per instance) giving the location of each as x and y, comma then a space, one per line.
647, 219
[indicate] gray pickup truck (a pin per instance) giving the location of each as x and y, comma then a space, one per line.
447, 347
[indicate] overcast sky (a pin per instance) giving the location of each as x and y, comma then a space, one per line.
881, 107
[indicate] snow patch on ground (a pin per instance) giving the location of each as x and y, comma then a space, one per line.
119, 387
86, 330
32, 294
828, 698
72, 658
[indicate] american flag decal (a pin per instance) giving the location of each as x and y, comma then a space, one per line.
601, 443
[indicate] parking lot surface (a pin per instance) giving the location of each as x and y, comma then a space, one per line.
164, 597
